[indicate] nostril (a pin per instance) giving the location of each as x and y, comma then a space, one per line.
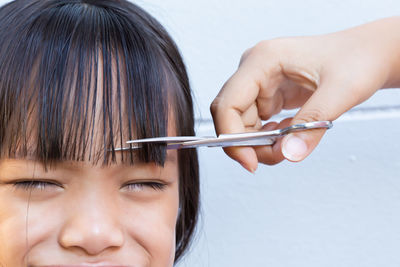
93, 238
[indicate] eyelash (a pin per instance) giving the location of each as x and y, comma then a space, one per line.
140, 185
31, 184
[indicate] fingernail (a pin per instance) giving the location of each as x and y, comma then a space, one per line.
253, 170
247, 167
294, 149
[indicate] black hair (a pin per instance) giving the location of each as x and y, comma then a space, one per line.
50, 53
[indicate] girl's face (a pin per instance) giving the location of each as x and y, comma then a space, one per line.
77, 214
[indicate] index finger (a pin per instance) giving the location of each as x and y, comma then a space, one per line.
237, 95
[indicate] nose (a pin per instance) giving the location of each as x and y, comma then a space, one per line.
92, 226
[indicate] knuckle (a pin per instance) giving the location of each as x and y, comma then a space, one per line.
314, 114
214, 106
245, 55
265, 108
271, 45
265, 115
264, 46
218, 105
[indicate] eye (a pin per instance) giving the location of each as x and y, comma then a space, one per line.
140, 186
34, 184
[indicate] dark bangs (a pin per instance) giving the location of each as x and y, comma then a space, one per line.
78, 79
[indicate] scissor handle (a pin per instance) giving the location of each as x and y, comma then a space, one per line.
260, 138
306, 126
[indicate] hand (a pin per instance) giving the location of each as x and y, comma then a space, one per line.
323, 75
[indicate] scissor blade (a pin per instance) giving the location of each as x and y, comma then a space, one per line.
265, 141
242, 139
166, 139
261, 138
172, 142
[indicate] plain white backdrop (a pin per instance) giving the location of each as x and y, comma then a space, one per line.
341, 206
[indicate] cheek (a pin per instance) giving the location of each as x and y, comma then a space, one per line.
152, 225
12, 232
21, 228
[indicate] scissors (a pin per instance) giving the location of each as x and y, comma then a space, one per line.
262, 138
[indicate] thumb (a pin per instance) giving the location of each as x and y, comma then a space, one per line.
324, 104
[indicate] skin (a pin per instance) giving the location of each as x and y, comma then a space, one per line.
323, 75
77, 214
88, 215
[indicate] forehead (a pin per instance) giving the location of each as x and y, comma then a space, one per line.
10, 167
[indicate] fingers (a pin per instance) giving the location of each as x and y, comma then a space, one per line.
270, 106
284, 74
250, 118
245, 156
249, 157
322, 105
234, 110
272, 155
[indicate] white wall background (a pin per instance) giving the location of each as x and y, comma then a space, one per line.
341, 206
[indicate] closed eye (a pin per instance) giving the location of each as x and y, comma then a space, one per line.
34, 184
42, 185
140, 186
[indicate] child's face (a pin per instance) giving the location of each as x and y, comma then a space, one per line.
80, 214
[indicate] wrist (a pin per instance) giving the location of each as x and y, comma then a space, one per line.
386, 36
393, 56
378, 47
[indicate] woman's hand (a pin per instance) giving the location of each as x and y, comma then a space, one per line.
324, 75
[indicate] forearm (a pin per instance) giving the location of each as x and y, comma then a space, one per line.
391, 29
383, 37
